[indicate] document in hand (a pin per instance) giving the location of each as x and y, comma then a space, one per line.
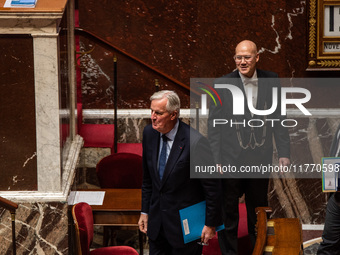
330, 174
193, 221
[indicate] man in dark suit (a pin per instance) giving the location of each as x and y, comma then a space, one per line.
330, 244
242, 144
167, 187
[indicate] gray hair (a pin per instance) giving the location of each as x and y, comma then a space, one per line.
173, 104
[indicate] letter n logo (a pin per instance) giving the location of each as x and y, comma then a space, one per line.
207, 88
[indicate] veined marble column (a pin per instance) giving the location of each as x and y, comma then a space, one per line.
47, 111
54, 168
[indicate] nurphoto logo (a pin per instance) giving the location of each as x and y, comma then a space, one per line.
280, 98
238, 99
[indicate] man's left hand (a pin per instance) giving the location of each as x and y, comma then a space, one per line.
207, 234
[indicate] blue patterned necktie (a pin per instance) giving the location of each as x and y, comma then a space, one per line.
162, 157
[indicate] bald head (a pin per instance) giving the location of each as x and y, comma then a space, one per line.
246, 57
247, 45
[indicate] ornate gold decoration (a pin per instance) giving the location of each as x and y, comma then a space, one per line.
329, 63
312, 63
269, 249
312, 28
270, 223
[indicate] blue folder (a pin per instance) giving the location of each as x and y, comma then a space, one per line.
23, 2
193, 221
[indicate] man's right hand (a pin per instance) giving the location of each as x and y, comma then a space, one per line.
143, 223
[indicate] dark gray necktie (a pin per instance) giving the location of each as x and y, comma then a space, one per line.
162, 157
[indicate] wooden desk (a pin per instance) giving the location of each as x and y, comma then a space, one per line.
121, 208
49, 6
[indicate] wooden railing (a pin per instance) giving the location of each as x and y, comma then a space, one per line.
261, 227
11, 207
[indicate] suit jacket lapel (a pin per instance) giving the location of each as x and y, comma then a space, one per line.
247, 114
244, 132
155, 152
176, 151
262, 92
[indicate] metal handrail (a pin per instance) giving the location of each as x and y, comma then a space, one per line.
11, 206
92, 36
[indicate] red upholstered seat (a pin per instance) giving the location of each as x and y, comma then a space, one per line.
213, 248
119, 250
135, 148
242, 221
120, 171
244, 245
95, 135
102, 136
83, 221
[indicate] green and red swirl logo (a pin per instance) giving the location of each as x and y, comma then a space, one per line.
205, 89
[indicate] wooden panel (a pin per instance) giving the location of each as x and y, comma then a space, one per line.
121, 207
287, 236
116, 218
277, 236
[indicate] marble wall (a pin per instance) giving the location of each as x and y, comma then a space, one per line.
302, 197
187, 39
41, 228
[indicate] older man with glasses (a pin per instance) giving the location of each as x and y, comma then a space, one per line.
241, 145
169, 145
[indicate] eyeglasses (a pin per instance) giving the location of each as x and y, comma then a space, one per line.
247, 58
